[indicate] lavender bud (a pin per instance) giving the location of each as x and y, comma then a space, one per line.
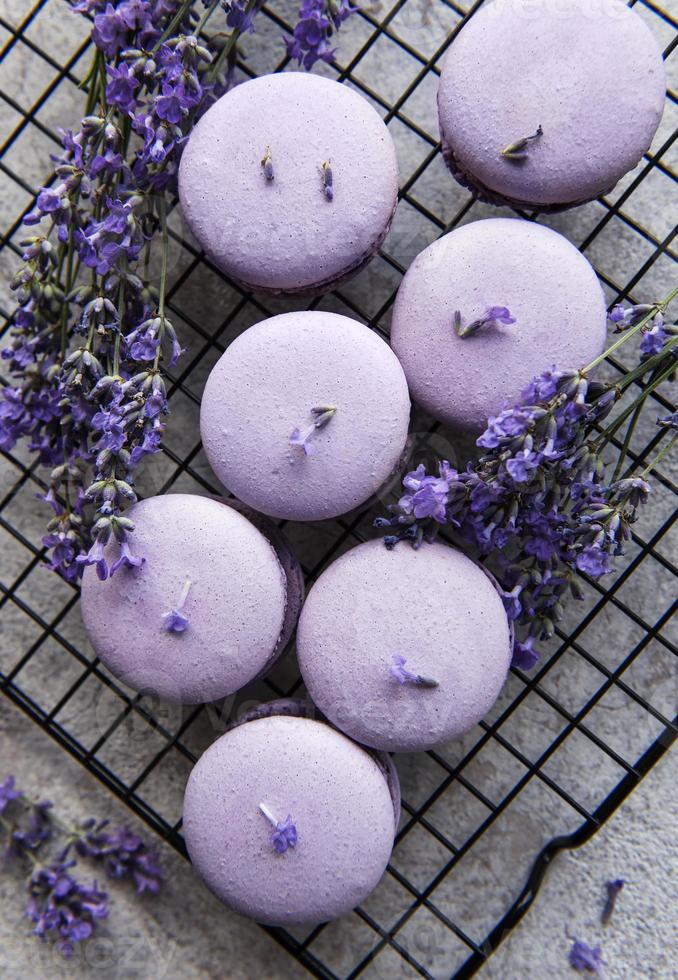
284, 832
612, 888
403, 674
328, 180
520, 148
267, 164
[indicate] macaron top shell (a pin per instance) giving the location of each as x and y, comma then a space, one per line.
283, 234
265, 386
589, 73
434, 607
234, 603
336, 796
549, 288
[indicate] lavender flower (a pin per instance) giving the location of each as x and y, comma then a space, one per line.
654, 339
328, 180
120, 90
267, 164
535, 505
123, 855
126, 559
612, 889
519, 149
594, 561
238, 16
493, 316
405, 676
625, 317
62, 907
301, 438
29, 837
95, 411
284, 833
175, 621
524, 655
583, 957
427, 496
8, 792
318, 22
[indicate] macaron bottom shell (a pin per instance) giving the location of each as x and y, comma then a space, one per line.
485, 194
313, 290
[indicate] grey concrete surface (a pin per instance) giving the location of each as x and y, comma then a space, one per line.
640, 845
182, 932
186, 933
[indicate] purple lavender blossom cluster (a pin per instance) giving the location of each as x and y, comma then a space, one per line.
536, 504
240, 14
318, 22
95, 411
90, 336
60, 906
122, 853
63, 907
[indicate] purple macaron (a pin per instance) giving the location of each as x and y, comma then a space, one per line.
404, 649
211, 607
288, 821
290, 182
547, 305
547, 105
305, 416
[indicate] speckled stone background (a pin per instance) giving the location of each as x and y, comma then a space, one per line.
187, 933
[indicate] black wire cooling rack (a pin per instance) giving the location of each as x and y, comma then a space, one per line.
565, 745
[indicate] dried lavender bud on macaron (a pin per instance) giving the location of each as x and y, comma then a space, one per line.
290, 183
547, 105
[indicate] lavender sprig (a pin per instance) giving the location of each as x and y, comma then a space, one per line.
60, 906
318, 21
538, 505
91, 398
122, 853
63, 907
91, 338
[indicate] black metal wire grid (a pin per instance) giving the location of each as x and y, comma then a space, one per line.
463, 809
